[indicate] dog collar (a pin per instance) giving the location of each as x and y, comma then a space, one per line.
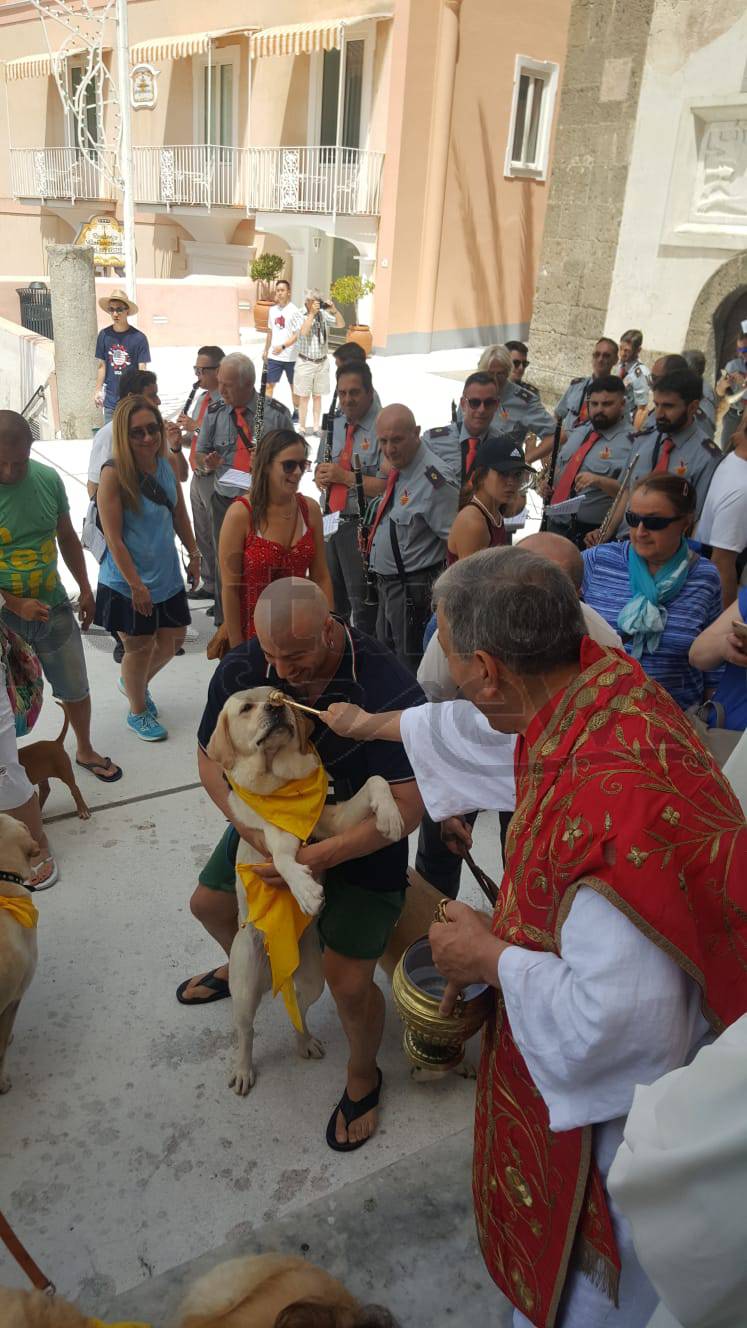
13, 877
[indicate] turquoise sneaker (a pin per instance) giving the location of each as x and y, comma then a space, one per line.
150, 704
147, 727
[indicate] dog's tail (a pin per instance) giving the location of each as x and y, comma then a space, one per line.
61, 736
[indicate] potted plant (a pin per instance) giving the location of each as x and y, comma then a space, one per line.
349, 290
264, 270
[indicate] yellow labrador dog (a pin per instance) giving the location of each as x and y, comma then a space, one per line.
17, 942
264, 745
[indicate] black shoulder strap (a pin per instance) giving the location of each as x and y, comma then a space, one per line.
396, 551
152, 490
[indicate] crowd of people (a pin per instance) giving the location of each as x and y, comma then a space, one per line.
575, 683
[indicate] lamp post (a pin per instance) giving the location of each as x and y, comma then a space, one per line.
125, 147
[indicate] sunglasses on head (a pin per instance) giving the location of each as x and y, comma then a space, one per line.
634, 520
475, 403
144, 431
290, 467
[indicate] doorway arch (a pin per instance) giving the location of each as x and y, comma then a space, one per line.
717, 313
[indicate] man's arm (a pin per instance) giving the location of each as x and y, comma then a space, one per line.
72, 553
725, 562
98, 391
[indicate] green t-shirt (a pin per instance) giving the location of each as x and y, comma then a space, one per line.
29, 512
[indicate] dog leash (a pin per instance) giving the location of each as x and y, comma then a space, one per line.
24, 1260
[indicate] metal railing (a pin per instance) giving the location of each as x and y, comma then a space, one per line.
60, 173
285, 179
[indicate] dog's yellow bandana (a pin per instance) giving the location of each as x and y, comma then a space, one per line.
296, 808
21, 909
99, 1323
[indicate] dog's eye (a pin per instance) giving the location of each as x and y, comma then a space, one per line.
248, 705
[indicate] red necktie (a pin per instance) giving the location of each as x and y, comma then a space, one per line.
243, 455
583, 414
200, 417
664, 455
381, 509
472, 444
338, 493
564, 486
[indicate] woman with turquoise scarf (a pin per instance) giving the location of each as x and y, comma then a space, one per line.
655, 589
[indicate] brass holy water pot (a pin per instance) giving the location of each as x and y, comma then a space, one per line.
434, 1041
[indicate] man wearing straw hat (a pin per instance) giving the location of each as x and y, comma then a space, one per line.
118, 347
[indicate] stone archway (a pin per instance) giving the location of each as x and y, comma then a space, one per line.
713, 311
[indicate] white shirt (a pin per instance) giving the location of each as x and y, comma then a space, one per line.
101, 451
283, 321
723, 521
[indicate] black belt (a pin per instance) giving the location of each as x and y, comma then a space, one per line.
434, 570
309, 359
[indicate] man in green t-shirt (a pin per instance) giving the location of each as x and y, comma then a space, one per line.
34, 523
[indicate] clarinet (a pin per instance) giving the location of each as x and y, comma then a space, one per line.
454, 412
550, 478
259, 414
325, 448
191, 397
370, 593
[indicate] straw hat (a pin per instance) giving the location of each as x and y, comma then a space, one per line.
120, 296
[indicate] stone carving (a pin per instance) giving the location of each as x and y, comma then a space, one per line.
721, 178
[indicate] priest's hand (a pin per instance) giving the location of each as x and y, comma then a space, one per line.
464, 950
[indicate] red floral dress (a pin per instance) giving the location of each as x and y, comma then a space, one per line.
265, 561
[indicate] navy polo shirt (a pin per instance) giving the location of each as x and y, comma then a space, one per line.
371, 677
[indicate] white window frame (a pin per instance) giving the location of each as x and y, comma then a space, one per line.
365, 32
223, 55
549, 73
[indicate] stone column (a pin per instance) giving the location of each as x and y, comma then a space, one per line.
435, 193
71, 281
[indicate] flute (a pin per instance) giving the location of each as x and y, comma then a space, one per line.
605, 531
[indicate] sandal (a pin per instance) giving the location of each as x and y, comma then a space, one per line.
105, 763
45, 874
352, 1111
217, 986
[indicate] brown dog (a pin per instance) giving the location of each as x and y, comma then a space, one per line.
43, 761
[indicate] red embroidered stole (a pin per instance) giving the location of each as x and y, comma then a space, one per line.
614, 792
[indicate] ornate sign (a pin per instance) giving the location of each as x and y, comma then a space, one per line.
143, 87
106, 237
721, 181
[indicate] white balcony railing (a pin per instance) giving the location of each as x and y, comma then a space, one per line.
59, 173
288, 179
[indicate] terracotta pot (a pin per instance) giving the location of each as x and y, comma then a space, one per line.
361, 334
261, 312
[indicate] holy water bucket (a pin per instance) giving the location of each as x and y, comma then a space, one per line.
433, 1041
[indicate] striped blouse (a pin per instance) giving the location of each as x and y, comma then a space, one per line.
606, 588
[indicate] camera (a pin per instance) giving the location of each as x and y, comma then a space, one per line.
325, 304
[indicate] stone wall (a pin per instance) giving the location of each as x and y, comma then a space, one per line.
596, 121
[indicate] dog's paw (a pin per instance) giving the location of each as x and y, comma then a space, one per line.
389, 822
242, 1079
310, 1048
6, 1085
308, 893
84, 814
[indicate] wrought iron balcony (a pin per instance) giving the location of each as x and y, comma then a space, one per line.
320, 180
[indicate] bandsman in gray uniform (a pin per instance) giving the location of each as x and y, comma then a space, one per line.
519, 352
634, 374
226, 441
591, 462
354, 436
733, 377
676, 444
573, 407
706, 416
407, 546
456, 444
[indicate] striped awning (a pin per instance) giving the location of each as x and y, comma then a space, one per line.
180, 46
36, 66
305, 38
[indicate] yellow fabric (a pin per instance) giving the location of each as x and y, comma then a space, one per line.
129, 1323
20, 908
295, 808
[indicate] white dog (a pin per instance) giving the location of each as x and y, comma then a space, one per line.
17, 942
265, 745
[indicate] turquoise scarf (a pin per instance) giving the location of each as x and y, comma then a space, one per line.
644, 617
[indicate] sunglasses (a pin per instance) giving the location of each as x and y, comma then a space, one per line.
118, 308
517, 363
139, 434
290, 467
205, 368
634, 520
475, 403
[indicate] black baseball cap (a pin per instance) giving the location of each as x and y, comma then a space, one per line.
502, 454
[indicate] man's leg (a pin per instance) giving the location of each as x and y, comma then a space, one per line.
200, 494
303, 410
363, 615
360, 1005
317, 412
332, 549
59, 645
219, 505
214, 905
408, 616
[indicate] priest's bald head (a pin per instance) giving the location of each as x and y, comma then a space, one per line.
511, 627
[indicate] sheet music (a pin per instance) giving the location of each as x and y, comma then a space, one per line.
331, 523
238, 479
568, 508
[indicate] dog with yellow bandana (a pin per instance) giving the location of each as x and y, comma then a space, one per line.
18, 918
279, 787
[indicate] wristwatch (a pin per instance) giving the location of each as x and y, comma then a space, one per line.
174, 449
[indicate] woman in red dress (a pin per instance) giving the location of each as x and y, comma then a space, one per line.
272, 533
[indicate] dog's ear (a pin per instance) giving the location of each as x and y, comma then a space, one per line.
304, 729
220, 748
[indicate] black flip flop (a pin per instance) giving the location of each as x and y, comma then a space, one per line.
218, 986
352, 1111
105, 764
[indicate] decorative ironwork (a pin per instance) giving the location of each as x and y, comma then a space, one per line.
290, 177
167, 174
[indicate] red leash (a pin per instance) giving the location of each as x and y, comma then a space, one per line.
24, 1260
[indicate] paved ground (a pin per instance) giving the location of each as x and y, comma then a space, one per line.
122, 1152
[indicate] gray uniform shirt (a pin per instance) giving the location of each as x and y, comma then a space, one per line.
518, 405
423, 508
608, 457
637, 380
365, 446
447, 443
218, 433
569, 406
706, 415
695, 457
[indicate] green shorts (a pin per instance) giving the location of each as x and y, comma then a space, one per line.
354, 921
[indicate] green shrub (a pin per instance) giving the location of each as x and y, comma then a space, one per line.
349, 290
265, 269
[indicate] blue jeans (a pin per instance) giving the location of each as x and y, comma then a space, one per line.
58, 644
